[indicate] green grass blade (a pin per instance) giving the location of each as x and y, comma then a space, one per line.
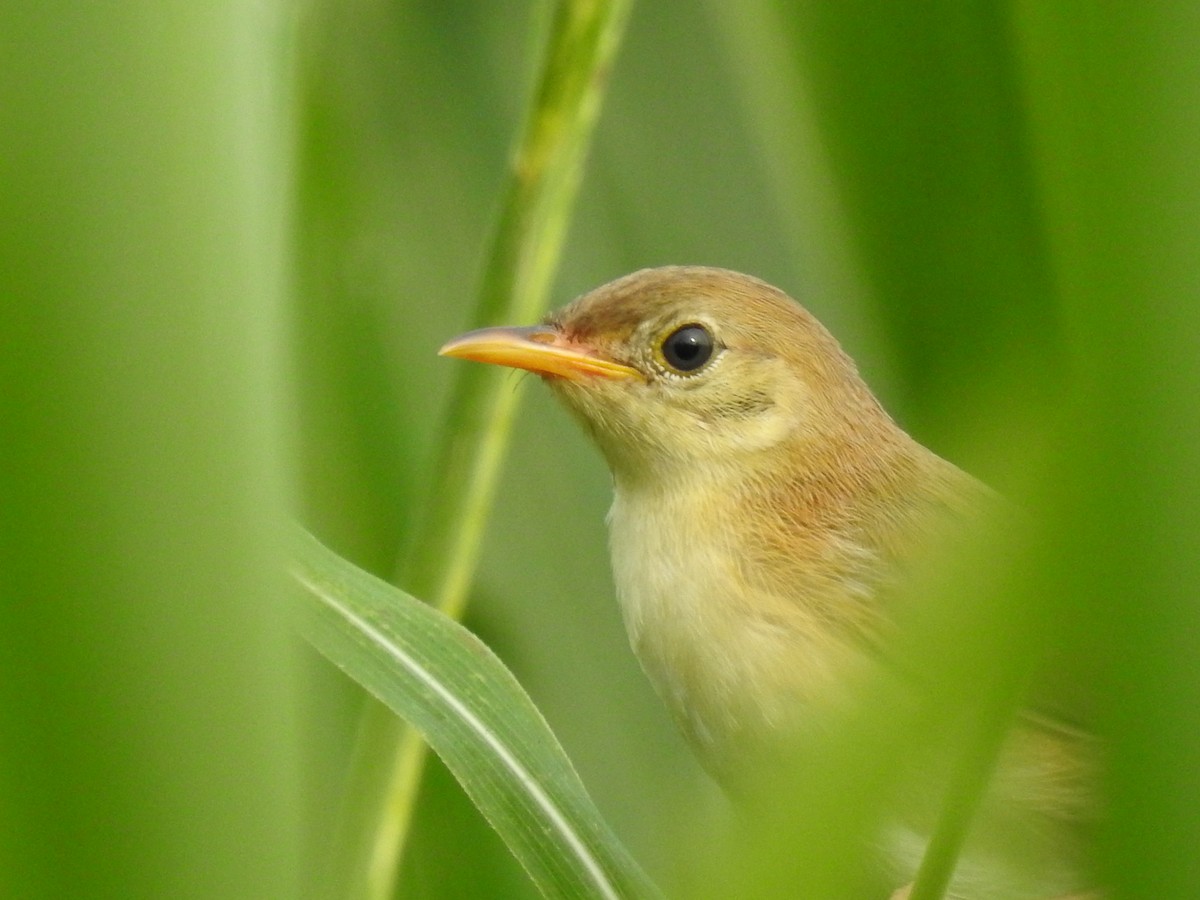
440, 562
541, 191
434, 673
149, 742
1113, 100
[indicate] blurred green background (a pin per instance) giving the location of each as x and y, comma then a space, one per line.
993, 205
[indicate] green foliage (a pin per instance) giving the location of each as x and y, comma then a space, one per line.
994, 206
148, 739
903, 172
443, 680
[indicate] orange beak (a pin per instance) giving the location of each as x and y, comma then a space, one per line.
537, 348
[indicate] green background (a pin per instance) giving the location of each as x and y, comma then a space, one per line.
234, 239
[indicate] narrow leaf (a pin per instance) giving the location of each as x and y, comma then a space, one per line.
439, 677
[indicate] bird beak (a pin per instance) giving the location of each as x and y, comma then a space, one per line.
538, 348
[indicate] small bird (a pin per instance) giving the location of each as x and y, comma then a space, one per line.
765, 506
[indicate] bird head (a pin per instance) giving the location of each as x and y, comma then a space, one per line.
675, 368
770, 525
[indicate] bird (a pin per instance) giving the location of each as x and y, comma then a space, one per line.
766, 508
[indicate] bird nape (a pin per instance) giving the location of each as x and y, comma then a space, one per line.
768, 516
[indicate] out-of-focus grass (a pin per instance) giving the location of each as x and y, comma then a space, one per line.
1113, 108
918, 179
994, 206
147, 686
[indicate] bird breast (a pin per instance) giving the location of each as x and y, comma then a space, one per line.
732, 661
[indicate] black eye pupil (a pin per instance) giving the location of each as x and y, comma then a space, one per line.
688, 348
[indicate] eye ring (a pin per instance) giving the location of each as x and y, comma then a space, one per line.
688, 349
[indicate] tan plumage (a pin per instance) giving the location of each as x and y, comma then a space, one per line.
766, 507
739, 627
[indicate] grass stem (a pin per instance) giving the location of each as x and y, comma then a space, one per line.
440, 561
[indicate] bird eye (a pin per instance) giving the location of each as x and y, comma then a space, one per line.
688, 348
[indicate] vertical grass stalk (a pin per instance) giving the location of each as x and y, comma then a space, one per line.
968, 784
441, 559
